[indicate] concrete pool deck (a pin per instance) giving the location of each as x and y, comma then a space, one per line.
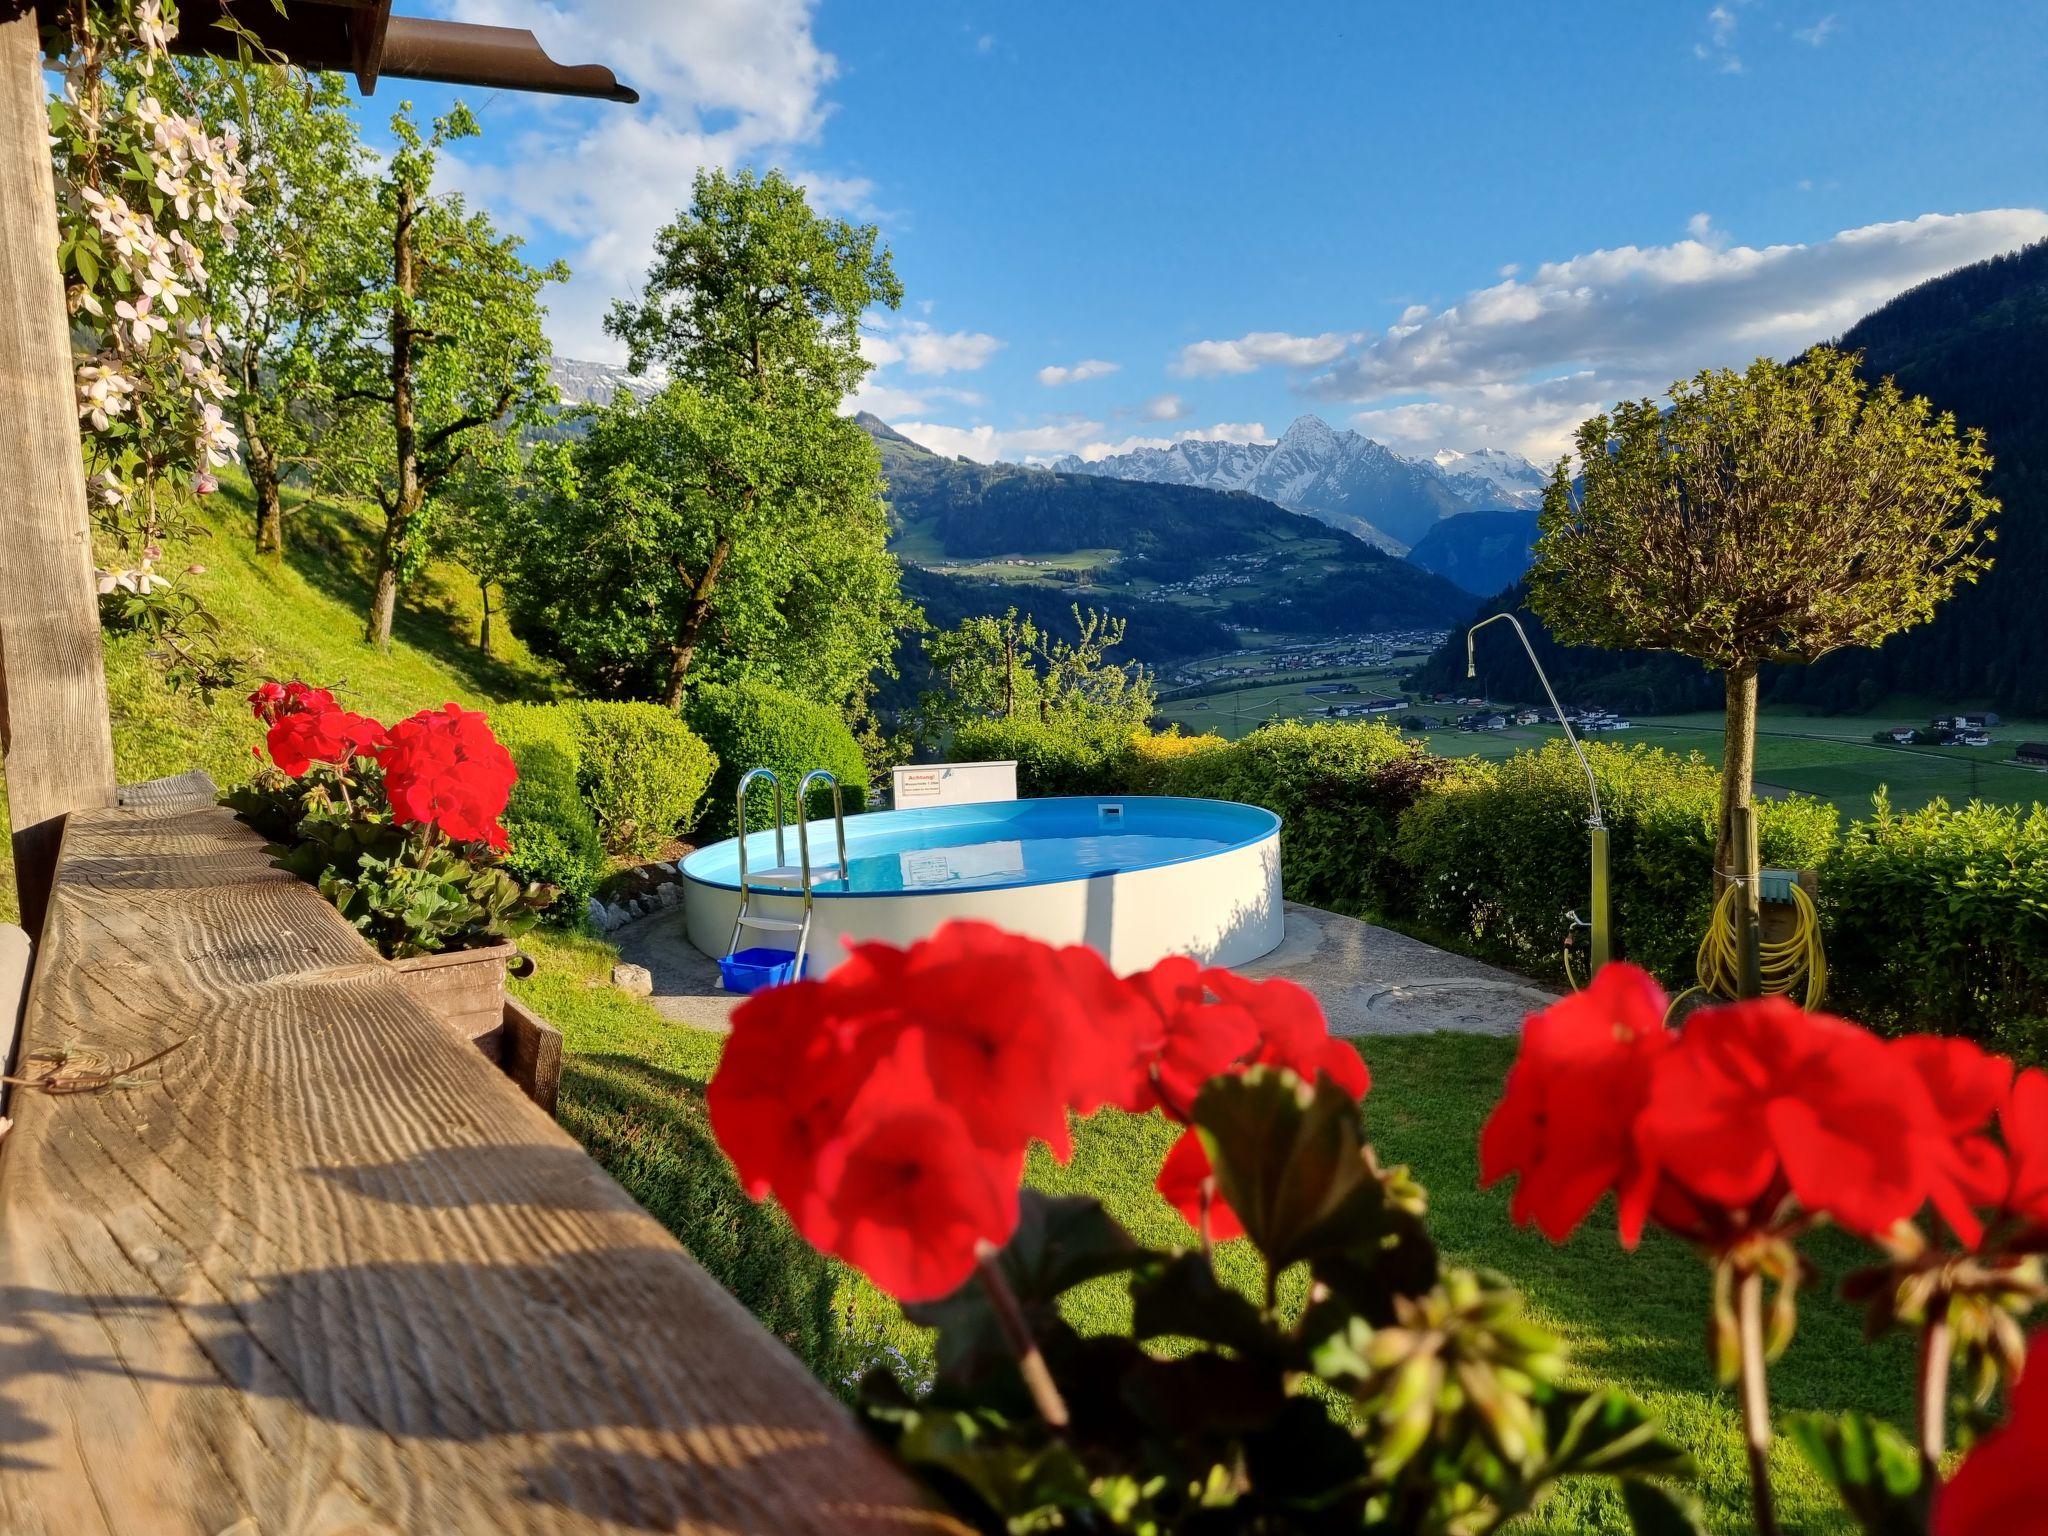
1370, 980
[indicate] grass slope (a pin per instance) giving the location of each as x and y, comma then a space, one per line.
633, 1082
298, 617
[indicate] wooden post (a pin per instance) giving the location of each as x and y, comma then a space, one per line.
55, 741
1748, 905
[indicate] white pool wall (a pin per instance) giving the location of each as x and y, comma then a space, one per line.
1221, 908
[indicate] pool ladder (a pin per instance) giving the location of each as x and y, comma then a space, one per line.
778, 879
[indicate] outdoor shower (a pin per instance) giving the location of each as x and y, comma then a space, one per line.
1601, 925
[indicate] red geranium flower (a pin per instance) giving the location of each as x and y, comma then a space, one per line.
1566, 1125
300, 738
1186, 1038
2023, 1120
1181, 1177
1997, 1489
443, 768
1759, 1097
1292, 1031
272, 700
1966, 1168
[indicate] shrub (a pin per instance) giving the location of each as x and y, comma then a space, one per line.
1339, 790
642, 772
1939, 920
1053, 758
1495, 854
1153, 759
756, 725
553, 834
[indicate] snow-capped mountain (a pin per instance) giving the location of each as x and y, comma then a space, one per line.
1493, 477
582, 383
1343, 478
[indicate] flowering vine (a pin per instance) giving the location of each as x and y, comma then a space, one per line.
144, 192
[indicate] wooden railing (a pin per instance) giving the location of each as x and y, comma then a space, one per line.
323, 1268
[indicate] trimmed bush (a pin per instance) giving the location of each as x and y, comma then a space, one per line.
755, 725
1497, 855
1938, 920
553, 834
642, 772
1339, 789
1053, 758
1153, 759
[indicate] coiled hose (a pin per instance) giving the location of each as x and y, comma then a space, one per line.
1786, 965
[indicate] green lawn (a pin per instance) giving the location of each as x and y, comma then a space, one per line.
1235, 712
632, 1093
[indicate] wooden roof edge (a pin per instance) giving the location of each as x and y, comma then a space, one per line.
363, 38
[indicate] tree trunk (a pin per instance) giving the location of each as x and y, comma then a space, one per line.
263, 479
483, 629
695, 613
1738, 769
406, 498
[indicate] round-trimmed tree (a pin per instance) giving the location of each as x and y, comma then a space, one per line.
1771, 515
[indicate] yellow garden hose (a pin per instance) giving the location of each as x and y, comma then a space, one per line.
1786, 964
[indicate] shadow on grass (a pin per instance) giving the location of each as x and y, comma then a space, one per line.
648, 1128
330, 547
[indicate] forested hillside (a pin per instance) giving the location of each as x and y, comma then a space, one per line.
1975, 342
1151, 551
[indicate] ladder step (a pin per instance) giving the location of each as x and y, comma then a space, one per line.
773, 924
792, 874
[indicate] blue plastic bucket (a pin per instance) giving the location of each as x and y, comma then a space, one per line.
749, 970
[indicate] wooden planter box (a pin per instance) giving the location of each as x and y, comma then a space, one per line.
465, 988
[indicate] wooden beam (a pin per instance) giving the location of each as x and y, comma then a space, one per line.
55, 742
325, 1269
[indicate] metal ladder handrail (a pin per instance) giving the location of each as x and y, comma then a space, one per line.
781, 857
803, 800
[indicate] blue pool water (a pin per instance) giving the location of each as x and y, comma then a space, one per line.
991, 847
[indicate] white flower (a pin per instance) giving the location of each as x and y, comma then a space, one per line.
159, 284
217, 442
102, 394
175, 185
143, 322
150, 28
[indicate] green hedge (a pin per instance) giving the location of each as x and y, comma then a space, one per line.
1339, 790
754, 725
642, 772
1498, 854
1939, 920
553, 834
1052, 759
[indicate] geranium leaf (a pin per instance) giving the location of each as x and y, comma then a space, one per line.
1288, 1158
1185, 1300
1872, 1467
1654, 1510
1608, 1432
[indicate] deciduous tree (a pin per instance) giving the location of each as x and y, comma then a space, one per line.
445, 356
737, 504
1775, 514
303, 259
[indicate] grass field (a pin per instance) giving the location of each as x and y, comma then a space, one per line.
1829, 757
1233, 713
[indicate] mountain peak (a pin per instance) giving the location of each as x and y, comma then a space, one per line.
1309, 432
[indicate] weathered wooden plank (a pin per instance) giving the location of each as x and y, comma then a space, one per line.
532, 1054
55, 742
334, 1273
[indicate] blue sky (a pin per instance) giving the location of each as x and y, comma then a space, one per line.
1450, 225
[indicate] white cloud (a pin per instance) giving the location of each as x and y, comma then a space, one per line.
1259, 349
1718, 46
921, 349
723, 83
1053, 375
1817, 35
988, 444
1163, 408
1059, 436
1520, 362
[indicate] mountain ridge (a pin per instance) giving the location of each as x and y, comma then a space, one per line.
1342, 478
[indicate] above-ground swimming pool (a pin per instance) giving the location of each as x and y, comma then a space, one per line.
1137, 878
